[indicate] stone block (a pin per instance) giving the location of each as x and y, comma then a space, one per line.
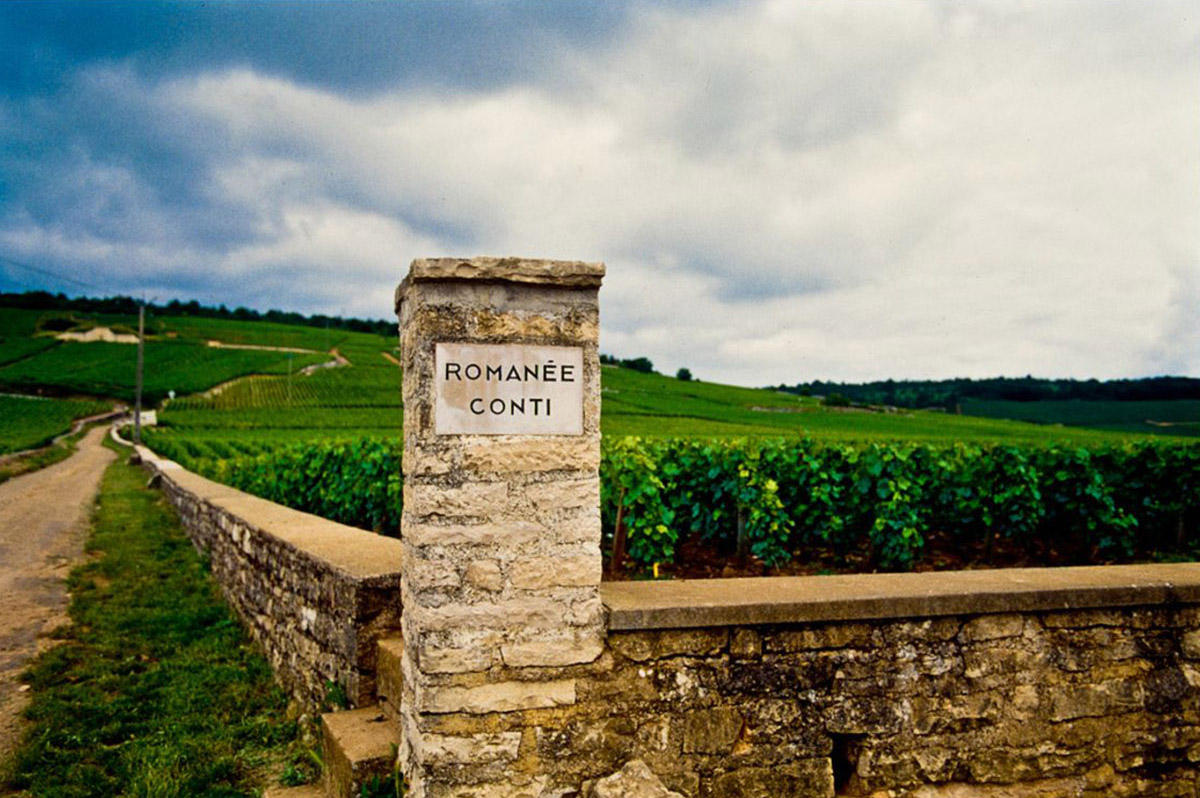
421, 461
520, 613
505, 533
1022, 663
844, 635
476, 748
580, 528
423, 574
475, 659
1068, 702
498, 697
745, 643
1082, 619
553, 650
712, 731
955, 714
660, 644
1190, 644
564, 495
812, 778
557, 273
513, 455
993, 627
485, 575
540, 573
634, 780
510, 787
471, 500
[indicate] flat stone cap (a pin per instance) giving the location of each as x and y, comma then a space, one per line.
570, 273
691, 603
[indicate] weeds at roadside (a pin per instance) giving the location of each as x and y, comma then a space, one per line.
155, 689
44, 457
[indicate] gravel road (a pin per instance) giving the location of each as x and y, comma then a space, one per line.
43, 525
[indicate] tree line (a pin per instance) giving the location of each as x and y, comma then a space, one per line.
950, 393
125, 305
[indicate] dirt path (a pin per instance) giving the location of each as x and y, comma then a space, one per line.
43, 526
76, 425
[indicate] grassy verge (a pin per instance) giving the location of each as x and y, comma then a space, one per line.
42, 458
155, 689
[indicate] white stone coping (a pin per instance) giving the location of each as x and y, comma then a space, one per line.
692, 603
355, 552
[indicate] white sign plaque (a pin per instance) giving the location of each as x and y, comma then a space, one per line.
507, 389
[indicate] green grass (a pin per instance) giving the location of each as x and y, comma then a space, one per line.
652, 405
259, 414
364, 398
17, 329
18, 323
1180, 417
103, 369
41, 458
177, 355
30, 422
155, 690
255, 333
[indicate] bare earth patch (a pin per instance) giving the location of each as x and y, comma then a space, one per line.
43, 526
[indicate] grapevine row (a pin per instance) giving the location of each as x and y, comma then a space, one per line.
775, 500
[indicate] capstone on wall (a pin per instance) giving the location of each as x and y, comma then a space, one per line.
315, 594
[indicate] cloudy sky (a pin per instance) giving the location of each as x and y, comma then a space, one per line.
782, 191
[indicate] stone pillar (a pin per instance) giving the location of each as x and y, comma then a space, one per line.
501, 526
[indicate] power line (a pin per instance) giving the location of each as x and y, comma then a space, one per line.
48, 273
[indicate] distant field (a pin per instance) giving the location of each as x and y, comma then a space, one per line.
27, 423
262, 413
658, 406
177, 355
1180, 417
102, 369
363, 398
16, 335
258, 333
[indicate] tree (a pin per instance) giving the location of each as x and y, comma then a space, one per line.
641, 364
684, 375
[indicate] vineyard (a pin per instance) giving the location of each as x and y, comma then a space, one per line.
846, 507
27, 423
692, 472
177, 355
103, 369
878, 504
792, 486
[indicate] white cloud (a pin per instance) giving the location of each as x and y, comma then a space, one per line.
782, 190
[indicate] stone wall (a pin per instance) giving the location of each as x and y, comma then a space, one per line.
1096, 703
1093, 702
523, 677
316, 595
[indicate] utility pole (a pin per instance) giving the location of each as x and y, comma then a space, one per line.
137, 411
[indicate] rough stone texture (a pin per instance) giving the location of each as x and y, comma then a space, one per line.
316, 595
1020, 705
557, 273
500, 534
1030, 704
635, 780
357, 747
